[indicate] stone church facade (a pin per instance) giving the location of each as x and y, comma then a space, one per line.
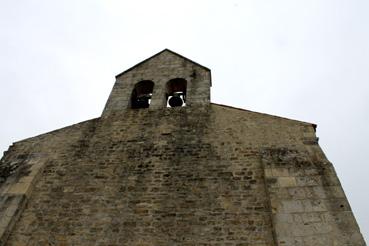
165, 166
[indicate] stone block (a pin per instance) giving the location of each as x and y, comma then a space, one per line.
19, 189
297, 192
309, 181
314, 205
280, 172
292, 206
286, 181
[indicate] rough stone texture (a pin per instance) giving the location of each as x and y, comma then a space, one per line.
161, 68
308, 204
204, 174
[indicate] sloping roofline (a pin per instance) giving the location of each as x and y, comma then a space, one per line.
270, 115
159, 54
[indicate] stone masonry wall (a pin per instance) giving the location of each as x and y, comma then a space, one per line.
209, 175
308, 204
21, 167
160, 69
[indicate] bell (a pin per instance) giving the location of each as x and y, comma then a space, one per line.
175, 101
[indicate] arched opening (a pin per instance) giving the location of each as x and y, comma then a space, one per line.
176, 92
141, 94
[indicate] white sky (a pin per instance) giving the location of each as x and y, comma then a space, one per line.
301, 59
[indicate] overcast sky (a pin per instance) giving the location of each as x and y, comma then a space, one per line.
301, 59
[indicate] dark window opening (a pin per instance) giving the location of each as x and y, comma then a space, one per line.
176, 93
141, 94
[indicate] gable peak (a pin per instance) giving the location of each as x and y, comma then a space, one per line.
166, 50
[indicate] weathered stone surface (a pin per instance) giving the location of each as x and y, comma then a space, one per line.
204, 174
161, 68
304, 214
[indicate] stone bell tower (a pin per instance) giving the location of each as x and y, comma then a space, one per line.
165, 79
165, 166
